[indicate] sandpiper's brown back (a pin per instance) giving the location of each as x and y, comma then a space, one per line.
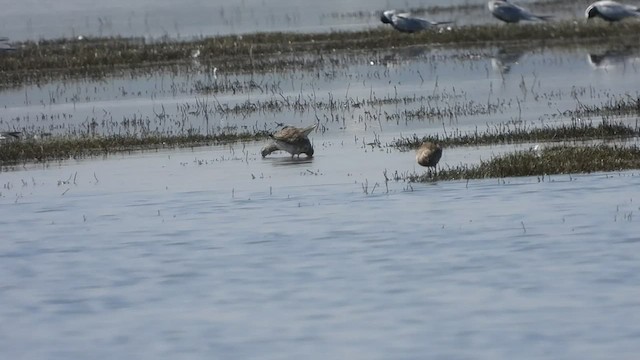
292, 140
292, 133
428, 154
287, 133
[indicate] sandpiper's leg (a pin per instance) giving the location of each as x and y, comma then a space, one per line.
432, 172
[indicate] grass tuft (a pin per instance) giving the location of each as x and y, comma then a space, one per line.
510, 134
17, 152
549, 161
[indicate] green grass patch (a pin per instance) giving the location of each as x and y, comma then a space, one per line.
615, 106
549, 161
515, 133
17, 152
98, 57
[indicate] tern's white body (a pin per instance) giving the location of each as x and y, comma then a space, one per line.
512, 13
404, 22
611, 11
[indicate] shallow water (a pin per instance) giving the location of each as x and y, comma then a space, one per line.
153, 19
381, 93
214, 253
192, 18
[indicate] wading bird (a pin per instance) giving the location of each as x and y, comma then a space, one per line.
291, 139
404, 22
611, 11
512, 13
428, 154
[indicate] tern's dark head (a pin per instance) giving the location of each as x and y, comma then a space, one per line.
591, 12
386, 17
596, 59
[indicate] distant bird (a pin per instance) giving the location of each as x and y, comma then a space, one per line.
536, 150
428, 154
291, 139
512, 13
5, 46
611, 11
404, 22
4, 135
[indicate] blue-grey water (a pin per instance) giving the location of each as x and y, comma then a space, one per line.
214, 252
154, 19
151, 18
467, 88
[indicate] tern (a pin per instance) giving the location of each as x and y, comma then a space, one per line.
404, 22
5, 46
512, 13
611, 11
9, 134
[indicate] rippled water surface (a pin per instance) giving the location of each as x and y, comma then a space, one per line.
214, 252
210, 253
377, 93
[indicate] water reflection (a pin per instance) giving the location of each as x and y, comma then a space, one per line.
614, 59
403, 56
290, 160
505, 58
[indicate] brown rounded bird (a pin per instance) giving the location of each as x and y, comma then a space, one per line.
291, 139
428, 154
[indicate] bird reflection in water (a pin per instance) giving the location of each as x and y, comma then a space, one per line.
504, 59
611, 59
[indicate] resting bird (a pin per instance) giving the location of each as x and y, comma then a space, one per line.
406, 23
5, 46
13, 134
611, 11
512, 13
291, 139
428, 154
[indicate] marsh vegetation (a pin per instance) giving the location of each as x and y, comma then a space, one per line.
97, 58
226, 86
136, 187
553, 160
